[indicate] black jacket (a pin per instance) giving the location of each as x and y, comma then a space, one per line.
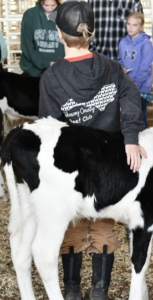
90, 92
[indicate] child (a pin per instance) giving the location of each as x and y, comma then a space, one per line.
136, 56
87, 88
40, 43
3, 49
110, 24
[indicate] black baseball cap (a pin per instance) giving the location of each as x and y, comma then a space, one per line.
71, 14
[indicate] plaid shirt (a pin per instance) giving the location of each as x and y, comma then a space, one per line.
110, 24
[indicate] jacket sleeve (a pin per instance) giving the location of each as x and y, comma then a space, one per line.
27, 44
48, 106
120, 55
138, 6
3, 46
130, 103
145, 66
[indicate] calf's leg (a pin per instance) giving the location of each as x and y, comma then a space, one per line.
140, 243
45, 249
21, 241
2, 195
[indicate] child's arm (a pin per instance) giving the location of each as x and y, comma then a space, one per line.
130, 103
120, 57
145, 66
133, 153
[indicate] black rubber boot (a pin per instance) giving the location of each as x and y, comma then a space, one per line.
72, 291
97, 292
102, 266
71, 266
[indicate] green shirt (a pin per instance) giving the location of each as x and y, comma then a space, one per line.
40, 42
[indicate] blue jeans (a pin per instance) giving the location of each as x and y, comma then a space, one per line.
144, 111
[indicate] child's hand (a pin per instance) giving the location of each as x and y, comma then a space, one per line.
133, 153
52, 62
125, 71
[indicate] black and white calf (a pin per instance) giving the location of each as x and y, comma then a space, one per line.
66, 172
19, 96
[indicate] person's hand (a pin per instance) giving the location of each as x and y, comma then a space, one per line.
133, 153
125, 71
52, 62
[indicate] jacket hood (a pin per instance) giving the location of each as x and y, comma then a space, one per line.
39, 8
90, 72
138, 39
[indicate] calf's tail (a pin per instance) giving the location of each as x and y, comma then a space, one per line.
6, 156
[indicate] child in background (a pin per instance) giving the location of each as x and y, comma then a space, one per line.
110, 24
40, 43
136, 57
88, 89
3, 50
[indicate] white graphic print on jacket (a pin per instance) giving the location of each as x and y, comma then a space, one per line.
87, 109
47, 40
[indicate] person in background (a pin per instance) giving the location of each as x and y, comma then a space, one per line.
3, 55
77, 89
40, 43
110, 24
3, 50
136, 57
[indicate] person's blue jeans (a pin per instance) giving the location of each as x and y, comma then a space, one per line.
144, 111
